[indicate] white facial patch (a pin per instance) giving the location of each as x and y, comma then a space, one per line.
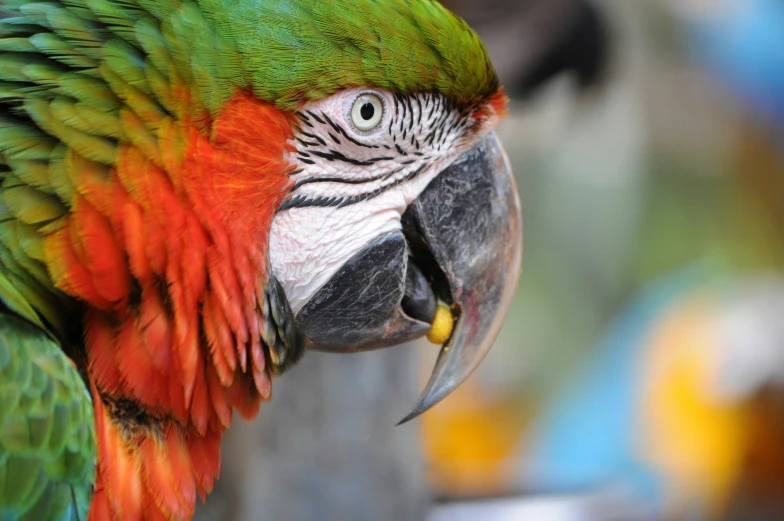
309, 245
353, 185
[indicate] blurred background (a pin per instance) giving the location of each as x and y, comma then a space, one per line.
640, 373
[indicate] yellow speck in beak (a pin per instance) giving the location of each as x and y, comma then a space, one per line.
442, 325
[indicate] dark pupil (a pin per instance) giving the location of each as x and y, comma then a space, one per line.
367, 111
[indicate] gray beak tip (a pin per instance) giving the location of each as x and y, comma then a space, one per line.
408, 417
438, 387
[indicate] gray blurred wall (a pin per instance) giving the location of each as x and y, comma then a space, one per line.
326, 447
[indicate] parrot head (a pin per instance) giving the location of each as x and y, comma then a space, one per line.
196, 192
402, 198
399, 203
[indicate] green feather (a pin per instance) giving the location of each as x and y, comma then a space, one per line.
86, 118
16, 303
43, 72
123, 64
40, 297
139, 135
211, 67
60, 50
84, 34
13, 4
154, 45
88, 145
11, 239
10, 91
31, 242
33, 173
12, 65
49, 461
161, 88
308, 49
91, 91
144, 106
17, 45
31, 206
58, 172
21, 141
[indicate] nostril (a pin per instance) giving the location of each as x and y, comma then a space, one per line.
419, 301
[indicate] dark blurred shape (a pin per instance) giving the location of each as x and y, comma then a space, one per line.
583, 52
533, 41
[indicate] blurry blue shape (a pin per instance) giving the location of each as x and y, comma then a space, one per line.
586, 440
742, 43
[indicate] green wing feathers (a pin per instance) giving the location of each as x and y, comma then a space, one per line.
77, 79
75, 82
47, 444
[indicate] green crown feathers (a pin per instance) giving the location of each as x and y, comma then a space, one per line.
296, 50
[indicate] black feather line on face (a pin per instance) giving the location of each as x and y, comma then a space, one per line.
343, 180
316, 117
313, 136
303, 201
345, 134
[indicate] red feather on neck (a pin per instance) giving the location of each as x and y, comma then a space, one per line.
170, 256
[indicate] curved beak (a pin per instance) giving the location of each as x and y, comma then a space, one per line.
461, 244
469, 217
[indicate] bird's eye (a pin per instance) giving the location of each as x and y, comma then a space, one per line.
367, 111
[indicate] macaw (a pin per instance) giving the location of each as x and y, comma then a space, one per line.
196, 192
679, 413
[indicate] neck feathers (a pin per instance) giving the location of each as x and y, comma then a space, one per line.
169, 253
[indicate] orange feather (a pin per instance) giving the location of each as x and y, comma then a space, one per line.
174, 276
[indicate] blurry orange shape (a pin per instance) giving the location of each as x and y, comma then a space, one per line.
471, 441
698, 443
